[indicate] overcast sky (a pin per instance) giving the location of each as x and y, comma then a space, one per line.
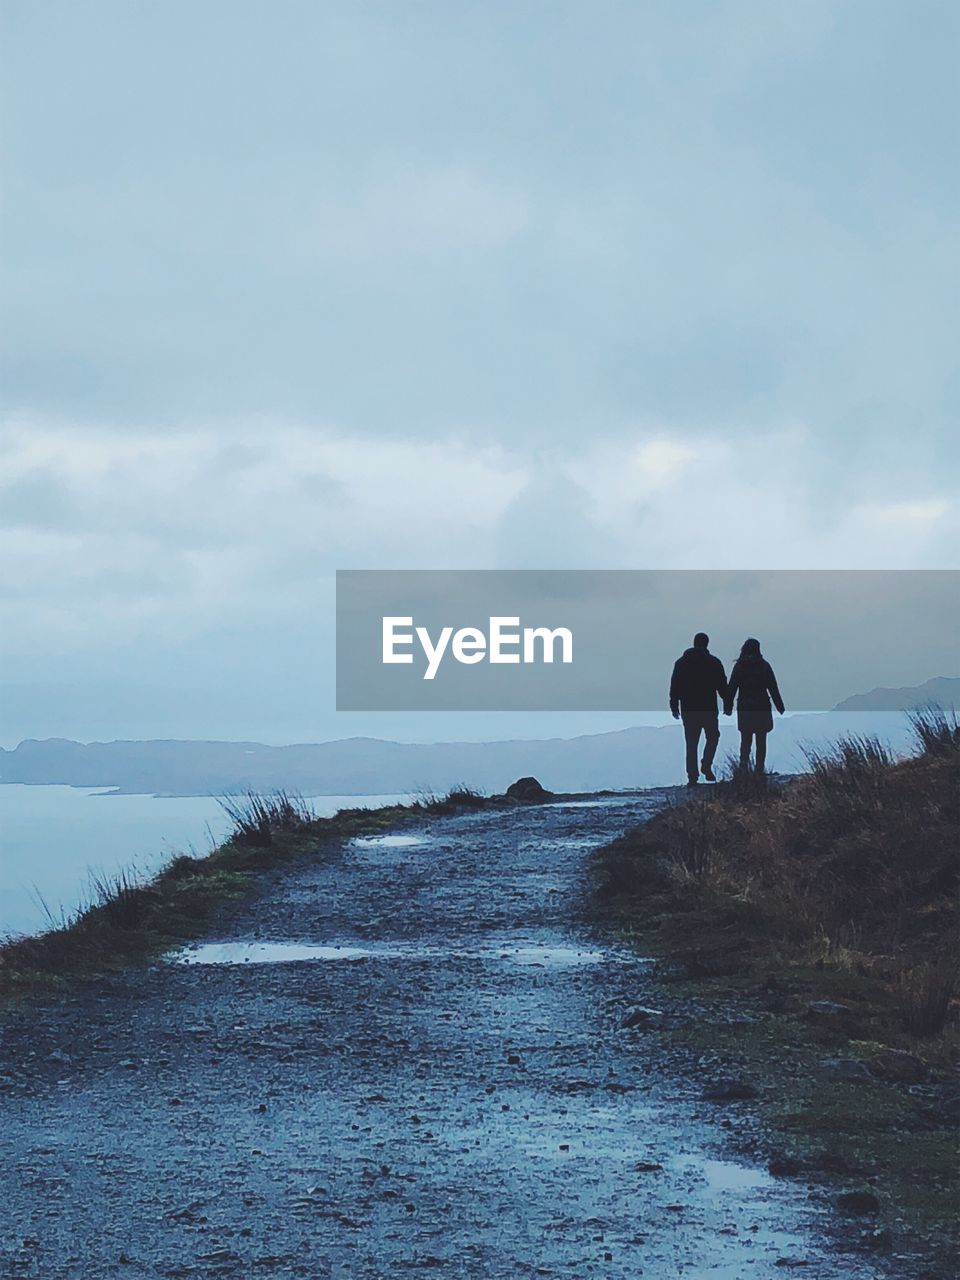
297, 286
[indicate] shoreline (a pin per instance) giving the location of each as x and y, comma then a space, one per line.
136, 919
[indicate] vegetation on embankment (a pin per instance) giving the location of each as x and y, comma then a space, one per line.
130, 920
814, 925
853, 865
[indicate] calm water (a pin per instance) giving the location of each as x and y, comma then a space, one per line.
52, 838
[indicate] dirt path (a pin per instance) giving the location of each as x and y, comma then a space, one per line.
452, 1094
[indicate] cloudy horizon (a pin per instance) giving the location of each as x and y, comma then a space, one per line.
293, 288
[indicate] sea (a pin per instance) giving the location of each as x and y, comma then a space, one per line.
55, 840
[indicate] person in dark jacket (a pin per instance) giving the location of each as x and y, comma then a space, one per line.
698, 677
753, 685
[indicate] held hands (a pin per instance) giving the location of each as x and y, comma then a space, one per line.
676, 714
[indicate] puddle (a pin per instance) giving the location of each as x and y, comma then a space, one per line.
724, 1175
602, 803
525, 954
387, 842
226, 953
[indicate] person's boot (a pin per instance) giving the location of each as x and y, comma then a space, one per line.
692, 782
707, 771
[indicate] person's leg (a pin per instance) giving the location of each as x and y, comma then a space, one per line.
761, 751
711, 731
746, 741
691, 733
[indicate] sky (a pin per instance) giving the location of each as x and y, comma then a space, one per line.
290, 287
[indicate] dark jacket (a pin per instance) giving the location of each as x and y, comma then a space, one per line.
697, 679
753, 684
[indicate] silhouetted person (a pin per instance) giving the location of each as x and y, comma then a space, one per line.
697, 679
753, 684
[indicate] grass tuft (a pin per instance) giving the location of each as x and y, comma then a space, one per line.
937, 731
458, 797
257, 819
925, 994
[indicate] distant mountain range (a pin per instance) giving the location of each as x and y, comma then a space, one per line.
639, 757
942, 690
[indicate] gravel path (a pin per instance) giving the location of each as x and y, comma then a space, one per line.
410, 1060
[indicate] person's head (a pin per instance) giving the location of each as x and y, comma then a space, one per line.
751, 649
701, 640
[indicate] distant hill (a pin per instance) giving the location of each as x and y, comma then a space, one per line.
943, 690
639, 757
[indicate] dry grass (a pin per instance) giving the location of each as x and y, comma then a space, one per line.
823, 914
258, 820
925, 994
459, 797
855, 862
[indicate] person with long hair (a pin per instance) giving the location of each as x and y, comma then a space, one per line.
753, 685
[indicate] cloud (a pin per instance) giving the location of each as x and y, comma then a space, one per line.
176, 560
167, 534
411, 223
696, 502
421, 212
904, 516
440, 286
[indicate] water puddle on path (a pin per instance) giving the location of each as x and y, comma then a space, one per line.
226, 953
721, 1175
388, 842
523, 953
602, 802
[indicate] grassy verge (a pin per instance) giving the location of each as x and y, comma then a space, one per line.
823, 916
130, 920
